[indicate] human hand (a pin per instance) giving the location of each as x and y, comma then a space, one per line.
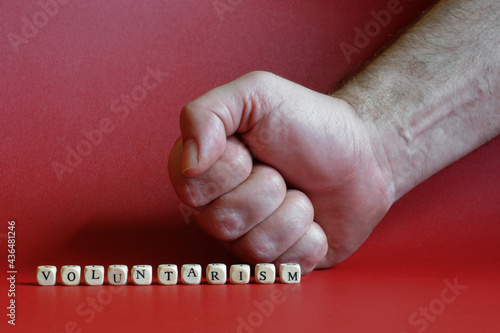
313, 193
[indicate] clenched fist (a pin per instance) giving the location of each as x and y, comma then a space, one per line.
280, 173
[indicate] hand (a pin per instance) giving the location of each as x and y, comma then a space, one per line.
315, 189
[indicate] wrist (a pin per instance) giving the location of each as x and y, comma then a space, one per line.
431, 97
381, 135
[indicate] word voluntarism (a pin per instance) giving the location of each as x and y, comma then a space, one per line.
167, 274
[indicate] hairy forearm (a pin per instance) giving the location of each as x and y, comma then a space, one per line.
434, 95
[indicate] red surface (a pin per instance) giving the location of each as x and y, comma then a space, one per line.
117, 205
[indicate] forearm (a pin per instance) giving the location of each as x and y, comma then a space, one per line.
434, 95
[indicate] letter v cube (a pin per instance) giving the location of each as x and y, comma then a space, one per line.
46, 275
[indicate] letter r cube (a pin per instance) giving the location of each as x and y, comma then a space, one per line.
216, 273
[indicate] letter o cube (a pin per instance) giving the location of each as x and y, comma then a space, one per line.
191, 274
142, 275
46, 275
94, 275
70, 275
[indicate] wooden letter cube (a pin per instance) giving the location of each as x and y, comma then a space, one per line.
239, 274
142, 275
46, 275
191, 274
216, 273
265, 273
117, 275
94, 275
290, 273
167, 274
70, 275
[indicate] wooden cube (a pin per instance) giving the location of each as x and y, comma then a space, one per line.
265, 273
94, 275
71, 275
46, 275
290, 273
239, 274
142, 275
216, 274
167, 274
191, 274
117, 275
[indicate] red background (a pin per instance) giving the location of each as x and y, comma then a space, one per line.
117, 205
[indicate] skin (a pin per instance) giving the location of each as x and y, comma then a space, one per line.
280, 173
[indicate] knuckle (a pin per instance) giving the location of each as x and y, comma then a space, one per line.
228, 228
238, 160
261, 81
302, 205
197, 194
260, 76
221, 223
273, 181
261, 251
255, 249
242, 163
186, 111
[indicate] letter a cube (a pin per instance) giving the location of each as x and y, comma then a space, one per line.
191, 274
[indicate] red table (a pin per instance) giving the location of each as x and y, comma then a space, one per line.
90, 93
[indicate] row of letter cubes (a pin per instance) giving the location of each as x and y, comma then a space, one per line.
167, 274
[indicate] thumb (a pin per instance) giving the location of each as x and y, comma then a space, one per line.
207, 121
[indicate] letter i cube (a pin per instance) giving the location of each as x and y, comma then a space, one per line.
46, 275
290, 273
70, 275
239, 274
